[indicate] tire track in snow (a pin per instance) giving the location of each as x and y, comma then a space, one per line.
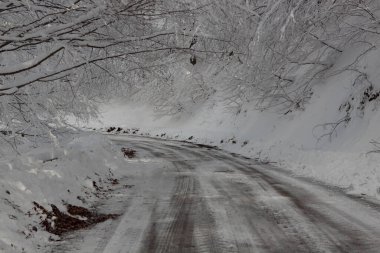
185, 225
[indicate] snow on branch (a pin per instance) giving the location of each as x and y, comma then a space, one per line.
29, 64
50, 30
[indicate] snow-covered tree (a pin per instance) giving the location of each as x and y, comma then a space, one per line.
62, 57
276, 50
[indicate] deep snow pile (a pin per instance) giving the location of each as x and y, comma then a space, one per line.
68, 172
329, 140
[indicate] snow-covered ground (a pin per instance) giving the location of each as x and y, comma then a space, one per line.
67, 172
191, 198
329, 140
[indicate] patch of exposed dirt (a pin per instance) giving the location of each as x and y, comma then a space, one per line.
128, 152
58, 222
110, 129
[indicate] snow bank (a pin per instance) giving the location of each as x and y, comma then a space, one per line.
49, 175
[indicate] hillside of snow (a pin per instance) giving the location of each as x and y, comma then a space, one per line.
328, 140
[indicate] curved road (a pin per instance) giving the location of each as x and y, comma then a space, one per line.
188, 198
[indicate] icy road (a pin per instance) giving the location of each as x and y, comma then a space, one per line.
187, 198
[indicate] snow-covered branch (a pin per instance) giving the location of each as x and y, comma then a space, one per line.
29, 64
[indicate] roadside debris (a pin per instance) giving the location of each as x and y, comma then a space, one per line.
128, 152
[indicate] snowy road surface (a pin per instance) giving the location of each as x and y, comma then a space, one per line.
187, 198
